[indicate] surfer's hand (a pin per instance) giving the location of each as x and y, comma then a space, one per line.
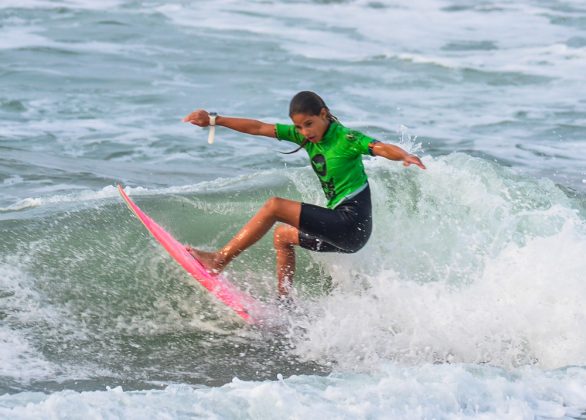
200, 118
413, 160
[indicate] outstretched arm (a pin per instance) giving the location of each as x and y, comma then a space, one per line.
201, 118
392, 152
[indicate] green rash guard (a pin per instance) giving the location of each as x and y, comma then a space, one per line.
336, 159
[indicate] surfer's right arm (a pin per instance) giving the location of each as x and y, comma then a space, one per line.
201, 118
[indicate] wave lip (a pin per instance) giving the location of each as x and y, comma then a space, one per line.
31, 202
219, 184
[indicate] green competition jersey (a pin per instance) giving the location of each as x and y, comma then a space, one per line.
336, 159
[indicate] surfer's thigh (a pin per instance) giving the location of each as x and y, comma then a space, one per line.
343, 229
313, 243
324, 230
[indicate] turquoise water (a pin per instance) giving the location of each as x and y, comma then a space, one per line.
468, 299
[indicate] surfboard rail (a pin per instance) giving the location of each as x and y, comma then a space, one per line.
244, 305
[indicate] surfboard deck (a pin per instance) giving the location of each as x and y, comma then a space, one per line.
245, 306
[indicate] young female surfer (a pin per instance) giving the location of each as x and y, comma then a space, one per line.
336, 157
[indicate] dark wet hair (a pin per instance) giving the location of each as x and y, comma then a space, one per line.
309, 103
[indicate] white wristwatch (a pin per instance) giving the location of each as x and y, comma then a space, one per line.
212, 132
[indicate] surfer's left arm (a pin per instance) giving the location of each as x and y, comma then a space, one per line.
392, 152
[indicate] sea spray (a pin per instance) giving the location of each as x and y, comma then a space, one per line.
469, 262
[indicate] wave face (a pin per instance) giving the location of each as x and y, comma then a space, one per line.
466, 302
458, 275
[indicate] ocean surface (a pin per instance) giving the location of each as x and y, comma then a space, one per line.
468, 301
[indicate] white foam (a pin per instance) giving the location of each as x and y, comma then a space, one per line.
428, 391
467, 263
16, 37
12, 180
19, 37
50, 4
30, 320
83, 196
366, 32
19, 359
28, 37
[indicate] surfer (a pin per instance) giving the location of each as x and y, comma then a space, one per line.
336, 157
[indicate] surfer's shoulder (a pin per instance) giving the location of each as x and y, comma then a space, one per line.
348, 134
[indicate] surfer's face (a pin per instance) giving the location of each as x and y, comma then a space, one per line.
312, 127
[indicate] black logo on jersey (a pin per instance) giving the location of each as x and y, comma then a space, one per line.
319, 165
329, 188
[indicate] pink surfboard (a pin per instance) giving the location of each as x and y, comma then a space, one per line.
245, 306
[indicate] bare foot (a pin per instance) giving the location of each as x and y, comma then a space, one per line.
210, 260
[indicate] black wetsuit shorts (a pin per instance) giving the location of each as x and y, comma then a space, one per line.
345, 228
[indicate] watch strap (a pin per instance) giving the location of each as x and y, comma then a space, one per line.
212, 132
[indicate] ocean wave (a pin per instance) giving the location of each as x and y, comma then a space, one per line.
20, 305
83, 196
427, 391
60, 4
468, 262
249, 181
363, 32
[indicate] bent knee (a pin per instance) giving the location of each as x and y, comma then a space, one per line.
273, 204
285, 236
